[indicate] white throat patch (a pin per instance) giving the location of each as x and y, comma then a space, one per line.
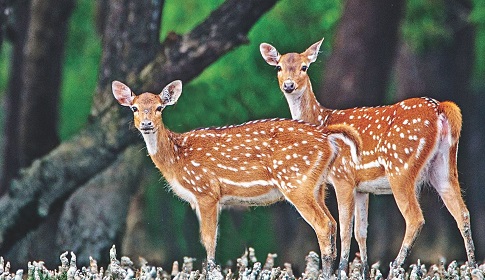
294, 102
151, 142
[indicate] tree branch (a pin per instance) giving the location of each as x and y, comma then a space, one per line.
54, 177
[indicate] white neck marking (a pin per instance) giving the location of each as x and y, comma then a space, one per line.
151, 142
294, 102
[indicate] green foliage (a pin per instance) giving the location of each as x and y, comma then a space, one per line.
5, 53
477, 17
241, 86
427, 25
424, 24
83, 53
182, 17
252, 227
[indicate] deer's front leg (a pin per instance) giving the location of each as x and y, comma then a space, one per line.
208, 214
325, 227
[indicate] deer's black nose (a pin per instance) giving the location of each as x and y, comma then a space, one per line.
146, 125
288, 86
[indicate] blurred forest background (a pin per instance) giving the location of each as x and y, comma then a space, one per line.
74, 174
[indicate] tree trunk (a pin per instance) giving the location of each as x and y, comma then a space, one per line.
17, 34
125, 18
130, 41
41, 75
472, 144
53, 178
357, 71
33, 95
3, 20
471, 165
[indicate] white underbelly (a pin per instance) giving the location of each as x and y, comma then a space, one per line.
272, 196
377, 186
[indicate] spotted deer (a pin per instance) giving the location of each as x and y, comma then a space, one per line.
256, 163
404, 145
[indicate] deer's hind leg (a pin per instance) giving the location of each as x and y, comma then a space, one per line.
444, 178
403, 186
361, 222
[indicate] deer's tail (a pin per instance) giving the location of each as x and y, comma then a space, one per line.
453, 114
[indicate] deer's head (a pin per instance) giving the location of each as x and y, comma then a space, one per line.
147, 107
292, 67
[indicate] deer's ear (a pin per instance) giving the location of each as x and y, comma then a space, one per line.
122, 93
270, 54
312, 51
171, 93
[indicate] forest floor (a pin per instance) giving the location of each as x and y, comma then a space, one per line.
247, 268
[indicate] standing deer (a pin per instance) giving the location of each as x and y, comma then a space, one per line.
256, 163
404, 145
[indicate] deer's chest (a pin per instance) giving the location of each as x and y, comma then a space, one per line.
183, 192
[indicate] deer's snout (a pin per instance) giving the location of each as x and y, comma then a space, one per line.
288, 86
146, 126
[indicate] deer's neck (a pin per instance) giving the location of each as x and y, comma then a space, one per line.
161, 148
305, 106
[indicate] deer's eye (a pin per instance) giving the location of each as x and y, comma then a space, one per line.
134, 109
159, 108
304, 68
278, 68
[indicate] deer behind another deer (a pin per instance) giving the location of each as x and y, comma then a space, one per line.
404, 145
